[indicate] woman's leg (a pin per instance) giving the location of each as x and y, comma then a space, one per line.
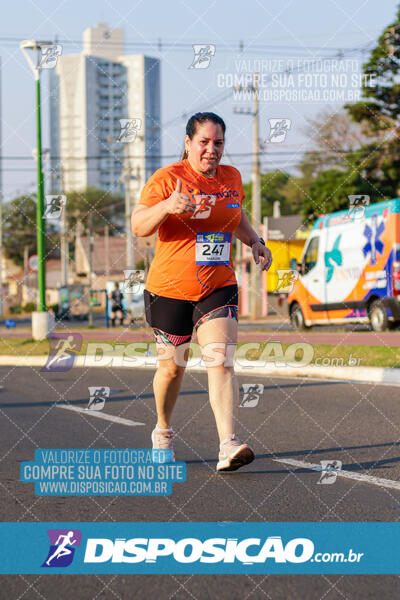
217, 338
168, 380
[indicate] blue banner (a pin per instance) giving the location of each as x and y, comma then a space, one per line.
217, 548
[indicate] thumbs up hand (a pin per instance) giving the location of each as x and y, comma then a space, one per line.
179, 203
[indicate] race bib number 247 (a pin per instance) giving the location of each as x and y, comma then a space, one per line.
213, 248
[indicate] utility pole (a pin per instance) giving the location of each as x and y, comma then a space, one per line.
63, 238
90, 220
256, 281
107, 250
130, 259
26, 269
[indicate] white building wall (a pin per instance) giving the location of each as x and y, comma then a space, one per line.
90, 93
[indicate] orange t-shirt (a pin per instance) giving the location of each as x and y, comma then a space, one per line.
173, 272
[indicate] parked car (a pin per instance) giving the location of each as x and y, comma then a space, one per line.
350, 269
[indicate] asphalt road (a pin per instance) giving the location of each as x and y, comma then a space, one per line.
306, 421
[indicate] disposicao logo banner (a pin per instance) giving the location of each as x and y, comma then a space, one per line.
218, 548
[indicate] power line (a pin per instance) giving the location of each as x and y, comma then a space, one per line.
228, 46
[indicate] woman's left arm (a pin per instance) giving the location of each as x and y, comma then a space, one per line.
246, 234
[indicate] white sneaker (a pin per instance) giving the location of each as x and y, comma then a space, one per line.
233, 454
163, 439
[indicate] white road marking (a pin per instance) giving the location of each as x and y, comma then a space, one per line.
324, 379
101, 415
386, 483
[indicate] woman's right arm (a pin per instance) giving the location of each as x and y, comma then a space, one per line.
146, 220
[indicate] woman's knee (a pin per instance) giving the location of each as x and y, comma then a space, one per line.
170, 370
221, 369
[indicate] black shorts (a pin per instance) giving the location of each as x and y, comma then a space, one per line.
115, 307
173, 320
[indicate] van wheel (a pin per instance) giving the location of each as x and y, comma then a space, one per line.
297, 318
377, 316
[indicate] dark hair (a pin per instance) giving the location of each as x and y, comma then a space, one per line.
198, 119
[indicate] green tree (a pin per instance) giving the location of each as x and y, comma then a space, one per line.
329, 192
107, 209
272, 186
19, 230
379, 114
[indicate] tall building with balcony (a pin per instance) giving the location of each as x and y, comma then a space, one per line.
90, 93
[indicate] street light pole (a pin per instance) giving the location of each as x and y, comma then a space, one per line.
40, 222
41, 324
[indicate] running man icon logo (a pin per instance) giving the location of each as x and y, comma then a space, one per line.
63, 347
129, 129
133, 278
329, 472
278, 130
202, 55
286, 279
251, 394
63, 543
204, 204
357, 204
98, 396
50, 55
54, 206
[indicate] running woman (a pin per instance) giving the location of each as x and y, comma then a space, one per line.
195, 205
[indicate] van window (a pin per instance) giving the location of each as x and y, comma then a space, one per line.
311, 255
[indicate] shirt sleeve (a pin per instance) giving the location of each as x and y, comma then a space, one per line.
156, 189
239, 186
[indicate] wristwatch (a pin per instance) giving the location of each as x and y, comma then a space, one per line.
259, 240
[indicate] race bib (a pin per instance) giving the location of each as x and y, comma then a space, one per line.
213, 248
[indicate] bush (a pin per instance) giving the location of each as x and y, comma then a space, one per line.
16, 309
29, 307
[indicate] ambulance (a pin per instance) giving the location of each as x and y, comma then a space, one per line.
350, 269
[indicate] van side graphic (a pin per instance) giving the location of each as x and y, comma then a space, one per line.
374, 244
333, 256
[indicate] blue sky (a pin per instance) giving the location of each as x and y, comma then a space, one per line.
284, 30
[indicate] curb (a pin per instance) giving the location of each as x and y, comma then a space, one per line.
385, 375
